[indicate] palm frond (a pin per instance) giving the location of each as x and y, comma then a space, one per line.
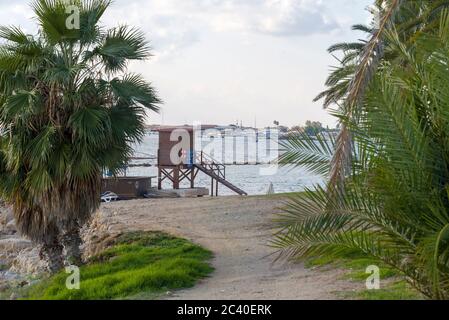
68, 111
52, 18
13, 34
120, 45
393, 203
369, 61
311, 152
133, 89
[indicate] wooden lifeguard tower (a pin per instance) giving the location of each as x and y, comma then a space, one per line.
177, 160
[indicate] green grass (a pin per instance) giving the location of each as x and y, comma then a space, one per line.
397, 290
140, 265
393, 284
356, 266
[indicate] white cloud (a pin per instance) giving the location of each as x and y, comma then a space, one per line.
18, 13
173, 24
220, 60
293, 17
275, 17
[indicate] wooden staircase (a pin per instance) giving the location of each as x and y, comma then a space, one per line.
217, 171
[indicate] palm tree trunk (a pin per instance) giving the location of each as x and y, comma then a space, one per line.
52, 252
72, 242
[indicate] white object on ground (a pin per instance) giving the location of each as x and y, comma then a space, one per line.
270, 189
109, 197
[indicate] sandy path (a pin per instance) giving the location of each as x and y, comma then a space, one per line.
237, 230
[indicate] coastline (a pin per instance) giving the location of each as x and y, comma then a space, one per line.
236, 229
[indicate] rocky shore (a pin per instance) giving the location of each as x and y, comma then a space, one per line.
20, 264
19, 258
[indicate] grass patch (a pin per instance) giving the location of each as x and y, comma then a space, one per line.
397, 290
142, 264
356, 265
395, 286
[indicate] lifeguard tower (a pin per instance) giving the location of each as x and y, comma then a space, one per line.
177, 160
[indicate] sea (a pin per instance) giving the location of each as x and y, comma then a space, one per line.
250, 164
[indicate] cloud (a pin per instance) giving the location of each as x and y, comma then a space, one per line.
275, 17
290, 18
175, 24
18, 13
164, 22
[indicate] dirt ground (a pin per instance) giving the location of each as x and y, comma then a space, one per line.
237, 231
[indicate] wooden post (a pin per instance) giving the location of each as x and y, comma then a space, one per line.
176, 178
159, 178
192, 178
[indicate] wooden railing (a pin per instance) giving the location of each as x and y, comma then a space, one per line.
211, 164
216, 170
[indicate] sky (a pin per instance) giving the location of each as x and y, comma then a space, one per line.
232, 61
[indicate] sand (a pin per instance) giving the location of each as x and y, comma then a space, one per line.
237, 230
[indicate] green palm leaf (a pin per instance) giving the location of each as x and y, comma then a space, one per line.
68, 111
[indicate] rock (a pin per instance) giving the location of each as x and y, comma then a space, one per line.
10, 228
14, 245
6, 215
9, 215
98, 235
24, 283
21, 256
10, 248
7, 226
9, 276
28, 262
4, 286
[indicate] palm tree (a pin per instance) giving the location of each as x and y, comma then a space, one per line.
68, 111
348, 82
394, 205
